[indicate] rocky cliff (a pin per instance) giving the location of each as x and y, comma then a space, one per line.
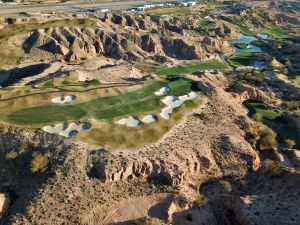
194, 146
126, 37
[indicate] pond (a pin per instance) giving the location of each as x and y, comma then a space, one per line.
264, 36
247, 40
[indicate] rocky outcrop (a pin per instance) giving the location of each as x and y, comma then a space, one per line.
294, 155
4, 204
284, 18
247, 92
115, 36
192, 148
260, 199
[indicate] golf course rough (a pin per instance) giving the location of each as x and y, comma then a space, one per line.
104, 108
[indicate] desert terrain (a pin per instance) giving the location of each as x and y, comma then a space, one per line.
150, 113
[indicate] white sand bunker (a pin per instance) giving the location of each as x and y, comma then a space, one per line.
130, 122
149, 119
173, 102
163, 91
67, 131
63, 100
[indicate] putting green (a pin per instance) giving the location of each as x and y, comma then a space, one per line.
107, 108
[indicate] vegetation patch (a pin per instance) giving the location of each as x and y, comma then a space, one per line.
192, 67
206, 23
106, 108
284, 129
178, 11
243, 59
296, 81
244, 27
275, 31
10, 55
241, 45
17, 29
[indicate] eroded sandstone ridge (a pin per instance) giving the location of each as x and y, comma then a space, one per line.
191, 148
133, 38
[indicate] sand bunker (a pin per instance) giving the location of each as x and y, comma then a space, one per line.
63, 100
67, 131
149, 119
130, 122
163, 91
173, 102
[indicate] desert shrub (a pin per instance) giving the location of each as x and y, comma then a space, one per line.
202, 115
190, 104
267, 138
39, 163
201, 201
145, 221
180, 200
271, 168
11, 155
189, 217
252, 135
94, 82
297, 113
257, 117
289, 143
226, 185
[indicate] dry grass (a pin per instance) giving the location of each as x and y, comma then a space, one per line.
113, 135
10, 55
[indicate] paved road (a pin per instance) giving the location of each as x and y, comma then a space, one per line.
117, 5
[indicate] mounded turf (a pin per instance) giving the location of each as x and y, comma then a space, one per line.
275, 31
192, 67
106, 108
261, 109
15, 29
10, 55
243, 59
284, 128
169, 11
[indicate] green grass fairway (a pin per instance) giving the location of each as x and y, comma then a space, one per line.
169, 12
192, 67
244, 28
106, 108
261, 109
275, 31
284, 128
243, 59
205, 23
15, 29
241, 45
296, 81
10, 55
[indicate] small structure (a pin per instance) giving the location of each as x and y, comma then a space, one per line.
188, 3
